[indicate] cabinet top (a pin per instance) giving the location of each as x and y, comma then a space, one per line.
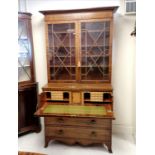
112, 8
24, 15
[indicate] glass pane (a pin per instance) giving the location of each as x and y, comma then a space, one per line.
61, 52
95, 73
62, 73
24, 51
95, 50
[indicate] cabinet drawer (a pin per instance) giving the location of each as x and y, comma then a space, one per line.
87, 122
79, 133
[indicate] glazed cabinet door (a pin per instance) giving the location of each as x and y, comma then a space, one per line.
61, 52
95, 50
25, 64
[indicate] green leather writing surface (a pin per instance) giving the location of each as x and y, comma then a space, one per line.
75, 110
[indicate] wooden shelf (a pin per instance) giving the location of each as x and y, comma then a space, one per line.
89, 55
81, 46
95, 45
104, 101
82, 66
64, 56
61, 46
103, 30
88, 66
68, 31
57, 102
66, 66
65, 100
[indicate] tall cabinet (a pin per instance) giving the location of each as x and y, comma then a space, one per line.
27, 87
77, 101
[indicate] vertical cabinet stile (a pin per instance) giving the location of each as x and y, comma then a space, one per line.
47, 48
78, 63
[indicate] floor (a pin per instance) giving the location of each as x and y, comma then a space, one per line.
34, 142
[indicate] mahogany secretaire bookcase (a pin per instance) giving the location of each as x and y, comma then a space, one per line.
77, 102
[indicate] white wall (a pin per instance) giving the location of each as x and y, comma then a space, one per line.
123, 75
124, 72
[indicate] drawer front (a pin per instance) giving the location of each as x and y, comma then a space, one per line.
78, 133
87, 122
76, 98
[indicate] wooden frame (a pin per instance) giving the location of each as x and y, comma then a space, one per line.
26, 17
77, 17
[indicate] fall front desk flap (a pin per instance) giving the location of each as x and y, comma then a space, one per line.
72, 110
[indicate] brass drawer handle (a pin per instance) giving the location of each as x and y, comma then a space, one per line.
93, 121
60, 132
93, 133
60, 120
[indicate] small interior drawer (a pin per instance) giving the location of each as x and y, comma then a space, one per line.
57, 95
97, 97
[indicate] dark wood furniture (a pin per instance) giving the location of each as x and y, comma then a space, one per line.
27, 87
77, 102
